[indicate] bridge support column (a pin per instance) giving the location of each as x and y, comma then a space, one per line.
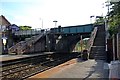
50, 42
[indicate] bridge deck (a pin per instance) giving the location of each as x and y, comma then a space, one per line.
66, 30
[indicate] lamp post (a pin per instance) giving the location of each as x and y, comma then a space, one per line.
55, 21
91, 18
107, 25
41, 22
81, 42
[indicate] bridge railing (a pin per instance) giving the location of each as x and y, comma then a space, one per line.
91, 40
73, 29
28, 32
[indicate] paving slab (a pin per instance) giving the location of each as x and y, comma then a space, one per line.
77, 69
84, 69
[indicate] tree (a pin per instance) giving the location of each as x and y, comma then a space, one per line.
114, 17
25, 27
99, 20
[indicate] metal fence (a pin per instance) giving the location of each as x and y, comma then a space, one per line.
116, 46
29, 32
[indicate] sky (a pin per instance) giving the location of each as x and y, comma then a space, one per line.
42, 13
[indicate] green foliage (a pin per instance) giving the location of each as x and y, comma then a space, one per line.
99, 21
114, 23
25, 27
79, 45
114, 18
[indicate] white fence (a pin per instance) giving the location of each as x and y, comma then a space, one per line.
28, 32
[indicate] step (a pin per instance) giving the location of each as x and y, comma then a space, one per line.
99, 44
100, 39
97, 51
98, 47
99, 54
99, 58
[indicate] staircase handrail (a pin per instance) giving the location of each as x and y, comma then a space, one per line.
91, 40
35, 39
13, 48
27, 43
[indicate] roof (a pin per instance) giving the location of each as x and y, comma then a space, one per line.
4, 21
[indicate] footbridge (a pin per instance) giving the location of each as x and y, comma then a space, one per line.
61, 39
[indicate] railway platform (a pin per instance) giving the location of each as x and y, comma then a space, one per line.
13, 57
90, 69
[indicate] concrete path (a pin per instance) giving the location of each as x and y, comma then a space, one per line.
85, 69
77, 69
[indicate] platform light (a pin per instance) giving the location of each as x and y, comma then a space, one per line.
4, 40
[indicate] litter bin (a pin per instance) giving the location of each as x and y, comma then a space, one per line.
85, 55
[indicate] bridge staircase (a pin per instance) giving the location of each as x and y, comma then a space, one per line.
97, 49
25, 46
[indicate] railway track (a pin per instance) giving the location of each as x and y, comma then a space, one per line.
23, 69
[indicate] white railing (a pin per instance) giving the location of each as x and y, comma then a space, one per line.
28, 32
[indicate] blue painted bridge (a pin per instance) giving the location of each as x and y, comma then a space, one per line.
61, 39
65, 30
73, 29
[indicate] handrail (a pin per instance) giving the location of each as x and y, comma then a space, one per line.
13, 48
91, 40
32, 41
28, 32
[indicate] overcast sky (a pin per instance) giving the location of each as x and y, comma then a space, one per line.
66, 12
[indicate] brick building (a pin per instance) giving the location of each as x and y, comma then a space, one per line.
4, 34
